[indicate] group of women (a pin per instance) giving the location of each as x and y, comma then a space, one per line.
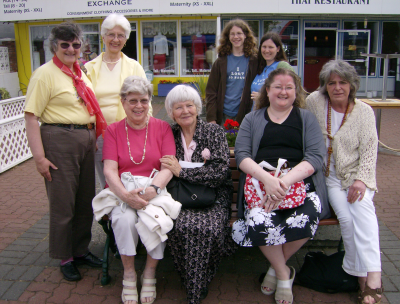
330, 143
328, 138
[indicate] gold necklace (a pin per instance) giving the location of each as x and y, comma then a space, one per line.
129, 145
329, 131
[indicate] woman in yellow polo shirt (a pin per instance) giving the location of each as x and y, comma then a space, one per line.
107, 73
63, 147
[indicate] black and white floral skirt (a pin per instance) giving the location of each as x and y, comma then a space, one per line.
260, 228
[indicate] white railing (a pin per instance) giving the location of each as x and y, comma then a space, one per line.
13, 141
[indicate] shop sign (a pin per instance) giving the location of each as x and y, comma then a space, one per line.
21, 10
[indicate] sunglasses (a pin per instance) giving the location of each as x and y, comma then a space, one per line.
65, 45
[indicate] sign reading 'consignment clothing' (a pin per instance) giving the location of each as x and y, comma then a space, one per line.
20, 10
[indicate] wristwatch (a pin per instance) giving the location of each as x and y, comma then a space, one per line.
158, 189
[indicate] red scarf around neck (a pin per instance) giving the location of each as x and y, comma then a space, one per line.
85, 93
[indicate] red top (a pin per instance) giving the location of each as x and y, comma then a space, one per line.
160, 142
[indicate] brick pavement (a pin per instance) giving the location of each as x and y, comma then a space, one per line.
28, 275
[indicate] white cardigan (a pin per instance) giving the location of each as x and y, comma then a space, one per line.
154, 220
355, 145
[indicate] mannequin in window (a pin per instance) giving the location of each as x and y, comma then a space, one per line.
210, 55
199, 48
160, 48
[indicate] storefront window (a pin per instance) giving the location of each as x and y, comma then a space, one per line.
198, 46
391, 44
289, 33
373, 44
91, 42
41, 46
160, 47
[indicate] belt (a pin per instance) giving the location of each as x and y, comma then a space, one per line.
88, 126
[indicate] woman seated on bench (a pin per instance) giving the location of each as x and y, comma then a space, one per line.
136, 144
280, 128
351, 140
200, 237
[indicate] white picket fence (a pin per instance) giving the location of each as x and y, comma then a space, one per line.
13, 141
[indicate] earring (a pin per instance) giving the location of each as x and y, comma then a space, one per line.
124, 45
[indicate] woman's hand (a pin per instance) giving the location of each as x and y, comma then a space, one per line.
271, 202
274, 187
149, 194
171, 163
133, 199
254, 95
356, 190
43, 166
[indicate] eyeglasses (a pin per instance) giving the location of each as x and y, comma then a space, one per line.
279, 88
65, 45
236, 34
134, 102
113, 36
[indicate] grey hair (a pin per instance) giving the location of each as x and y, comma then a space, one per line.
112, 21
343, 70
182, 93
136, 85
66, 31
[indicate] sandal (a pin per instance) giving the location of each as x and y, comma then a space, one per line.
284, 289
129, 294
148, 291
373, 293
269, 282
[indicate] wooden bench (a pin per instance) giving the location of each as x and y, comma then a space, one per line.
235, 177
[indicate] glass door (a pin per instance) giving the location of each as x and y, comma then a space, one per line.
350, 44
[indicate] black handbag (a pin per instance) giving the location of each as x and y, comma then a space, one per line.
191, 196
324, 273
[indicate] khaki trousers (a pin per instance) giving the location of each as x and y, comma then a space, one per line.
71, 190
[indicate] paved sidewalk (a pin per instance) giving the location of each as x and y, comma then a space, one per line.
28, 275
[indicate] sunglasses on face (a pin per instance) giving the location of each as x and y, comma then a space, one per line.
65, 45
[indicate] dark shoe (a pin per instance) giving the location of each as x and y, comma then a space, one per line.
70, 272
89, 259
204, 293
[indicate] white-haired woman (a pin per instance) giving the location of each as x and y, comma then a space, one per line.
348, 126
136, 144
200, 237
107, 73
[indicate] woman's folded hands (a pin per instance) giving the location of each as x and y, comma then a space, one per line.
134, 199
275, 189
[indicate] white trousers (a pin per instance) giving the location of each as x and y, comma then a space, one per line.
98, 162
359, 227
126, 235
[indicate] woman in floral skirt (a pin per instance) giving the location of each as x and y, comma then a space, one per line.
200, 237
280, 128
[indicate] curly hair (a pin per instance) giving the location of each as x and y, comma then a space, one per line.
263, 99
345, 71
280, 56
250, 43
